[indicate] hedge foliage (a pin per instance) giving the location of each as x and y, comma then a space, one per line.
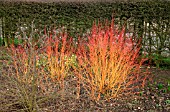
79, 16
143, 18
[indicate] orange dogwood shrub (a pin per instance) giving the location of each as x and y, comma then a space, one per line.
57, 50
108, 62
22, 63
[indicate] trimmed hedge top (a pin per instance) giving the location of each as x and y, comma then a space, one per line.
78, 16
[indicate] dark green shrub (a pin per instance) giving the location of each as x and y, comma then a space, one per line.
1, 41
159, 61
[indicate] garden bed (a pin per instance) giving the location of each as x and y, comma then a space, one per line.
155, 97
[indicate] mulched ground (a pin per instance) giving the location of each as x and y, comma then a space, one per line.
153, 99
